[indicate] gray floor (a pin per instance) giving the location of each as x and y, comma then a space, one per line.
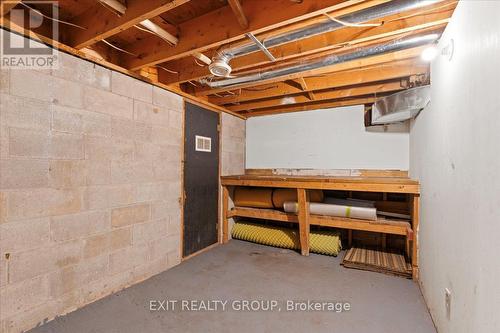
245, 271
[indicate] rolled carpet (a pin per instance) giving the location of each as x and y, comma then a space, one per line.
322, 242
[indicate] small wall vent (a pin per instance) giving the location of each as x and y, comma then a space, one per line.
203, 143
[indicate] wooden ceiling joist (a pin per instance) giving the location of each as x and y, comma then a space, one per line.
328, 94
371, 74
303, 86
101, 23
360, 63
200, 29
331, 41
239, 13
214, 29
312, 106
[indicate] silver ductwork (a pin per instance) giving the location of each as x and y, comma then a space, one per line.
220, 63
401, 106
363, 52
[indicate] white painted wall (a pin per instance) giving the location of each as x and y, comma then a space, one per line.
454, 151
324, 139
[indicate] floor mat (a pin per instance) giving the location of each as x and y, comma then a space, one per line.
377, 260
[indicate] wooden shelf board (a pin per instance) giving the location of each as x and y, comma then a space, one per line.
388, 226
368, 184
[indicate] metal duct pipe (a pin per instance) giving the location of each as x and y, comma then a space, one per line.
220, 63
364, 52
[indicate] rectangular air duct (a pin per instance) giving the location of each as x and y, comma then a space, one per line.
401, 106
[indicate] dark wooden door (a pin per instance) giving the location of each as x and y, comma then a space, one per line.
201, 178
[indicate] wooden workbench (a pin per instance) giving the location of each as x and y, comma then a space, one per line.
304, 219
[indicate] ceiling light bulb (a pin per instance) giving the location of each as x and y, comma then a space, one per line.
429, 53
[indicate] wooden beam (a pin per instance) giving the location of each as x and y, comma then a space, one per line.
359, 63
350, 36
304, 88
304, 222
321, 43
239, 13
312, 106
225, 209
213, 29
415, 217
375, 73
369, 89
7, 5
102, 23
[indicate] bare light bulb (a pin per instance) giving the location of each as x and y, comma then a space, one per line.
429, 54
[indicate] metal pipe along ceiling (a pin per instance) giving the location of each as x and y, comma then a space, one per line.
224, 56
396, 45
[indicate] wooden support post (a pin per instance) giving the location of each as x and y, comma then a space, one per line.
384, 241
349, 238
304, 223
407, 247
415, 216
225, 208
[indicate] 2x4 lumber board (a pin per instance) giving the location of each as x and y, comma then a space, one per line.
303, 86
400, 69
349, 65
214, 29
320, 43
314, 105
321, 185
383, 226
239, 13
304, 220
415, 217
375, 89
101, 23
225, 208
327, 179
331, 172
7, 5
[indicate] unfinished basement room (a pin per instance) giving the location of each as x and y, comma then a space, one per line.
249, 166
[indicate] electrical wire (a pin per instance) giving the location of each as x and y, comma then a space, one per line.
198, 63
117, 48
166, 69
51, 18
260, 89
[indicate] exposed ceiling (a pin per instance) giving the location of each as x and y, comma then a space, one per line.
205, 28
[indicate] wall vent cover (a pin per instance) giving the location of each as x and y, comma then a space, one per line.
203, 143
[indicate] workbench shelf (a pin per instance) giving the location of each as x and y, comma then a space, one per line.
303, 184
382, 225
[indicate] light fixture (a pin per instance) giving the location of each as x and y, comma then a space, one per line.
429, 53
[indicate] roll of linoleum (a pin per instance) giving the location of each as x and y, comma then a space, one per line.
281, 195
364, 213
257, 197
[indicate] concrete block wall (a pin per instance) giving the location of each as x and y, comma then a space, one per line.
90, 180
233, 145
233, 148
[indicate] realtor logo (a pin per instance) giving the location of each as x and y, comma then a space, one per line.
38, 17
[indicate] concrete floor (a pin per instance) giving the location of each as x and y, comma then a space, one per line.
241, 270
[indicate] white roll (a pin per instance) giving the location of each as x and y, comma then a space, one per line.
364, 213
